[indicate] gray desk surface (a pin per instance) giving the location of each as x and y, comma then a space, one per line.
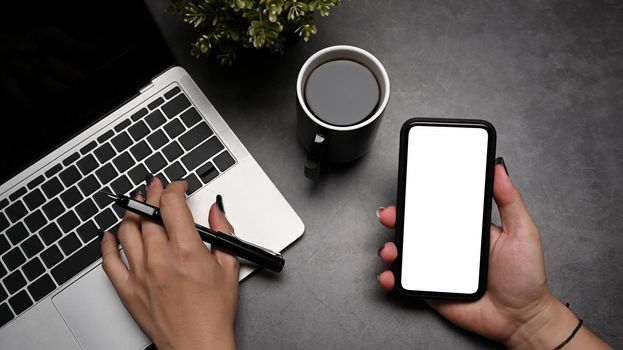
547, 74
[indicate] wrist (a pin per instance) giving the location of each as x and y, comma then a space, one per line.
546, 329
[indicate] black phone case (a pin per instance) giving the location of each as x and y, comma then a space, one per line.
486, 222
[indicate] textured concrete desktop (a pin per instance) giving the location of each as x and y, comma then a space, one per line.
547, 74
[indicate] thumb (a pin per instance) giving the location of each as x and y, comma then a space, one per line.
219, 222
513, 213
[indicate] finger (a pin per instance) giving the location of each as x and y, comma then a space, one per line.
177, 218
112, 264
154, 235
513, 213
496, 232
387, 216
386, 280
388, 253
129, 234
219, 222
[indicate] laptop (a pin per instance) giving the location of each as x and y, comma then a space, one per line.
92, 100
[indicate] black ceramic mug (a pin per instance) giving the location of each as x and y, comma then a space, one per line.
324, 139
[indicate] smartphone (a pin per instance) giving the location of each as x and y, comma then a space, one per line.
445, 187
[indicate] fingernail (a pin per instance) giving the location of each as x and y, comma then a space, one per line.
100, 234
149, 178
500, 160
219, 203
379, 211
378, 276
133, 194
380, 250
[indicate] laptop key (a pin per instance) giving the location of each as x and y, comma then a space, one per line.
139, 114
20, 302
174, 128
119, 211
190, 117
50, 234
202, 153
35, 182
195, 136
106, 219
68, 221
101, 199
53, 170
53, 208
172, 92
35, 221
124, 124
87, 231
88, 147
155, 119
32, 246
17, 233
41, 287
157, 139
89, 185
137, 174
51, 256
33, 269
122, 185
155, 163
4, 244
193, 184
105, 136
77, 262
14, 282
140, 150
207, 172
70, 175
13, 259
106, 173
34, 199
72, 158
71, 197
86, 209
138, 130
15, 195
224, 161
52, 187
175, 106
123, 162
4, 223
172, 151
6, 314
104, 153
175, 171
2, 274
16, 211
121, 142
155, 103
4, 203
69, 243
87, 164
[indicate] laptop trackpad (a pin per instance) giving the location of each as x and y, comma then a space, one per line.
92, 310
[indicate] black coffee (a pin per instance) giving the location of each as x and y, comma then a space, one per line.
342, 92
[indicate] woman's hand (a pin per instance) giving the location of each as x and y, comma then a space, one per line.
181, 294
517, 308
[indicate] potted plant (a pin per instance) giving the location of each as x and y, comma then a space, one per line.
227, 26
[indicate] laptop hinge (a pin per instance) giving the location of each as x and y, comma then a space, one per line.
146, 87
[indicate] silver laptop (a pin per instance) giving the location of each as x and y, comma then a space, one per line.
69, 66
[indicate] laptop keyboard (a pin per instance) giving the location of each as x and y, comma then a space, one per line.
48, 227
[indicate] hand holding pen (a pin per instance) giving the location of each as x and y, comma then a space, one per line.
172, 279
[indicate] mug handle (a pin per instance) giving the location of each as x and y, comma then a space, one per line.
314, 157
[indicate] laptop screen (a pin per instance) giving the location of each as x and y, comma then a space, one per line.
66, 64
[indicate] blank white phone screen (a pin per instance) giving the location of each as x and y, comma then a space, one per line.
443, 210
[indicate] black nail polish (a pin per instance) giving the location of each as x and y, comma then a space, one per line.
148, 179
500, 160
100, 234
219, 203
133, 194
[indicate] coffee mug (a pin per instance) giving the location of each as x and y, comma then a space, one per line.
342, 92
